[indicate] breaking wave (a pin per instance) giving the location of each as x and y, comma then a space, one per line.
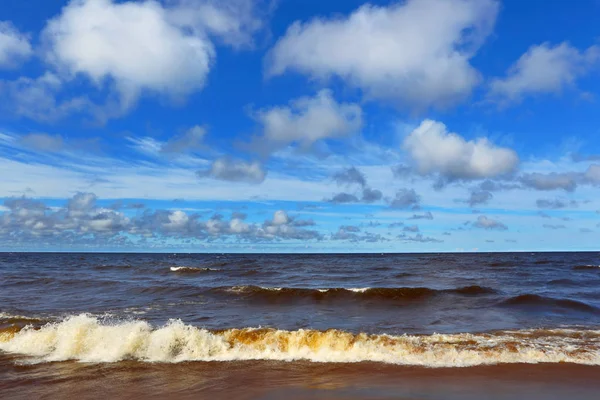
88, 339
586, 267
400, 293
192, 270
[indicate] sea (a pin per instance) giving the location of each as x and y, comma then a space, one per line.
296, 326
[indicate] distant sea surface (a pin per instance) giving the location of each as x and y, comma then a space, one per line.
447, 326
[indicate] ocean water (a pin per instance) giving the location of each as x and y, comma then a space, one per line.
293, 315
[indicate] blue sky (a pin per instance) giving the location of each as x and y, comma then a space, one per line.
257, 125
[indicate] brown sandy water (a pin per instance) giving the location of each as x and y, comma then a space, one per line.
293, 380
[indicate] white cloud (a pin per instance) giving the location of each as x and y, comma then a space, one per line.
551, 181
133, 43
234, 22
415, 53
435, 150
543, 69
14, 46
309, 119
37, 98
484, 222
235, 171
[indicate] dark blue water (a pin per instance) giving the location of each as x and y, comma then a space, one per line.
392, 293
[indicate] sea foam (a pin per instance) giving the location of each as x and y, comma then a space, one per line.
89, 339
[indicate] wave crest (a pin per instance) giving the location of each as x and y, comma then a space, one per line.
88, 339
400, 293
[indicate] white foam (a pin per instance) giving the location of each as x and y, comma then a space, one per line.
89, 339
192, 269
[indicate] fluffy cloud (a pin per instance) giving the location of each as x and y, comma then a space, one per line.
368, 196
307, 120
427, 215
233, 22
282, 226
81, 221
552, 181
351, 234
390, 56
350, 176
479, 197
419, 238
484, 222
14, 46
435, 150
235, 171
37, 99
101, 39
405, 198
543, 69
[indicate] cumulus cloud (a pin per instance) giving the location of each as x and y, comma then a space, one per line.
484, 222
405, 198
371, 195
232, 170
192, 139
37, 99
14, 46
42, 142
341, 198
411, 228
555, 203
307, 120
419, 238
427, 215
479, 197
282, 226
350, 176
552, 181
543, 69
435, 150
82, 221
351, 234
494, 186
401, 171
391, 56
100, 39
368, 196
234, 22
350, 228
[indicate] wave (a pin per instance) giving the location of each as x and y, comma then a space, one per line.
192, 270
586, 267
400, 293
542, 301
87, 339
